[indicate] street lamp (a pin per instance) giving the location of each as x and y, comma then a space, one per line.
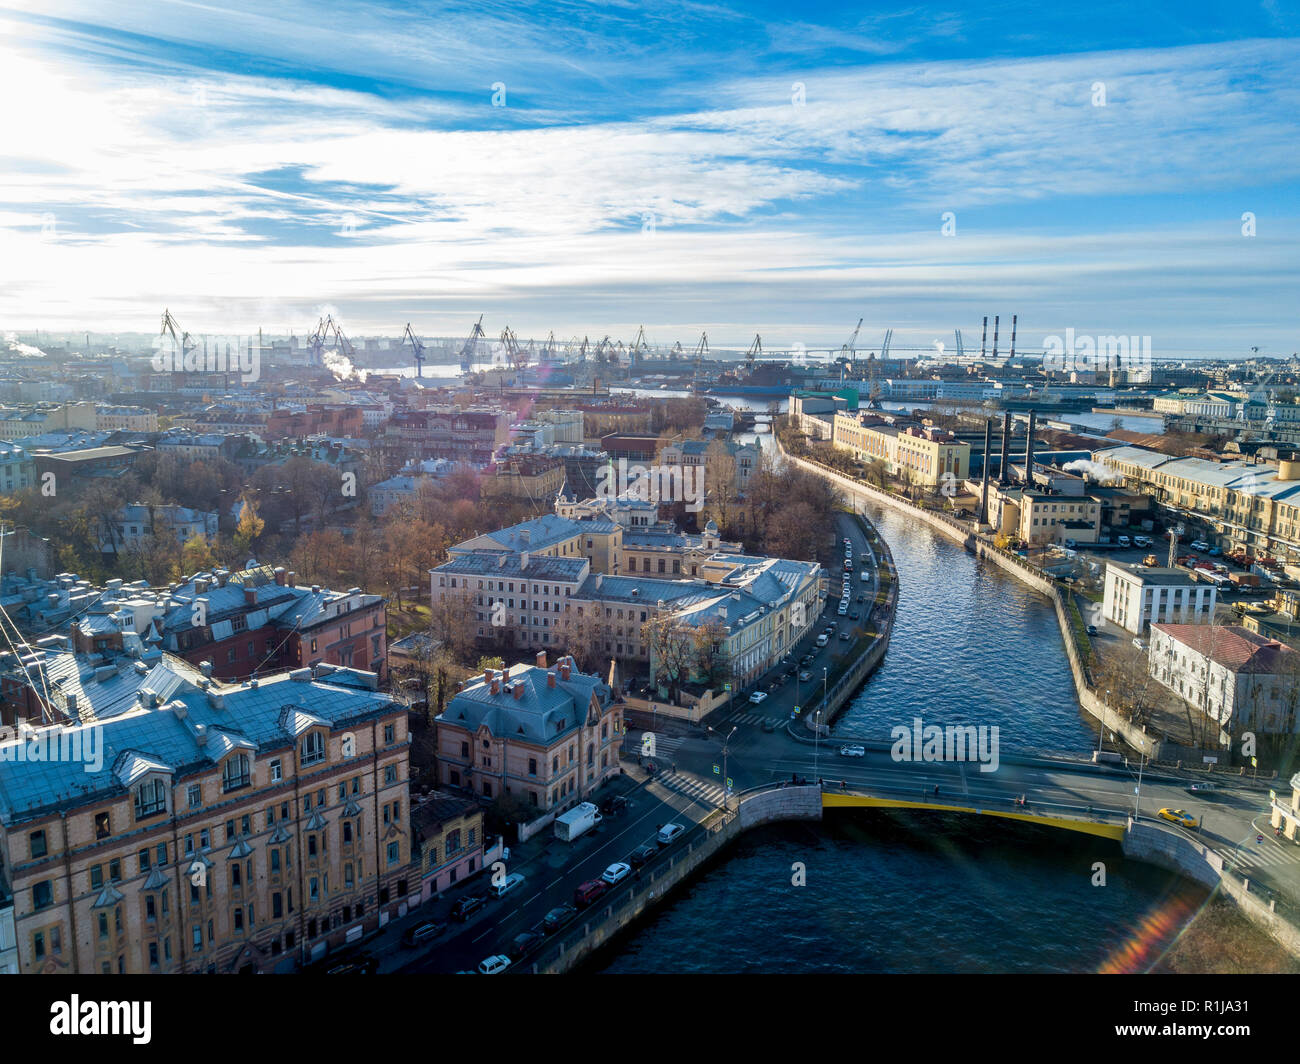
1101, 726
1142, 747
725, 777
817, 746
823, 687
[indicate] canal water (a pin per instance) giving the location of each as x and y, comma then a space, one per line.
930, 892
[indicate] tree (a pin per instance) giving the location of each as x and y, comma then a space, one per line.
720, 483
196, 555
250, 526
583, 633
453, 622
710, 646
672, 650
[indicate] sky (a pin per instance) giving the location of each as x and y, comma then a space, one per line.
587, 168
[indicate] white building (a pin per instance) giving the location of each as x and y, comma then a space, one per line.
1241, 680
17, 470
136, 525
1137, 596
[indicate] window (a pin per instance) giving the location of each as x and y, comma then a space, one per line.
275, 860
235, 773
102, 826
205, 840
532, 766
394, 852
194, 795
97, 877
115, 871
347, 831
390, 773
42, 895
37, 842
313, 749
275, 770
390, 733
144, 860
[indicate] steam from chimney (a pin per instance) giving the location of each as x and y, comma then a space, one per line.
1094, 471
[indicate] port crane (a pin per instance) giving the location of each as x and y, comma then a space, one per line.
701, 349
755, 350
417, 348
326, 328
170, 327
640, 348
848, 353
471, 345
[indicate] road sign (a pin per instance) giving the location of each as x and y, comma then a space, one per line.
717, 771
1254, 763
726, 687
729, 783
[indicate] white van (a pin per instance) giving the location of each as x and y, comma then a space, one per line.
506, 885
822, 640
1123, 541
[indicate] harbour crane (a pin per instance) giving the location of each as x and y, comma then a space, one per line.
701, 349
170, 327
471, 345
549, 349
848, 353
755, 350
326, 329
640, 347
417, 348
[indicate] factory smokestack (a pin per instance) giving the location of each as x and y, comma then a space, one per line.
988, 461
1029, 453
995, 335
1006, 447
984, 340
1013, 336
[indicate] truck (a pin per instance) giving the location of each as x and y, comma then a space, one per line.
1151, 561
1245, 579
577, 821
864, 576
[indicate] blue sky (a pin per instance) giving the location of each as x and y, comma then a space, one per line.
590, 167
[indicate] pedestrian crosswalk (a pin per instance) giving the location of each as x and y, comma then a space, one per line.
653, 744
1266, 854
691, 787
747, 718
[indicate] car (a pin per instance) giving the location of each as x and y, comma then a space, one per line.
1139, 644
1141, 541
506, 885
616, 803
1178, 816
770, 724
641, 855
1214, 552
805, 676
843, 611
862, 598
1199, 544
845, 637
523, 942
1091, 629
847, 541
1204, 788
467, 906
822, 640
853, 750
1124, 541
757, 697
616, 873
422, 933
494, 965
589, 892
853, 615
668, 833
556, 918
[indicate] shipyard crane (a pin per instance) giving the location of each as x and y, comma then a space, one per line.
848, 353
549, 348
701, 349
677, 349
417, 348
515, 355
755, 350
640, 347
471, 344
326, 329
582, 351
617, 354
184, 345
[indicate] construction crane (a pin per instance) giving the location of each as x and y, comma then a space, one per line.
701, 349
417, 348
961, 352
471, 345
755, 350
640, 347
326, 328
848, 353
170, 327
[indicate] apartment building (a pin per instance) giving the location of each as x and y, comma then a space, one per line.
20, 422
447, 841
549, 736
209, 827
125, 419
468, 435
928, 457
17, 470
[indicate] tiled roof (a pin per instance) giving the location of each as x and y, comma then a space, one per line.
1234, 647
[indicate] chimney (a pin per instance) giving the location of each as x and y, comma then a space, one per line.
995, 336
564, 669
523, 561
988, 461
526, 537
1013, 336
519, 690
206, 668
984, 340
487, 675
1006, 447
496, 687
541, 659
1029, 453
291, 578
279, 573
201, 585
250, 596
550, 678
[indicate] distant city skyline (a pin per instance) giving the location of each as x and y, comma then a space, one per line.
590, 169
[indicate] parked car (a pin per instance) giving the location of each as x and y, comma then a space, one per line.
1139, 644
523, 942
668, 833
641, 855
422, 933
467, 906
556, 918
494, 965
853, 751
589, 892
616, 873
1092, 629
853, 615
757, 697
614, 804
1180, 817
1199, 544
805, 676
823, 639
1071, 543
1124, 541
506, 885
1204, 788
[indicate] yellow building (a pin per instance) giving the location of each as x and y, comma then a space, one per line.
929, 457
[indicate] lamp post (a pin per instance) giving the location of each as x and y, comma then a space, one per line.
817, 746
1101, 726
725, 777
823, 687
1141, 763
